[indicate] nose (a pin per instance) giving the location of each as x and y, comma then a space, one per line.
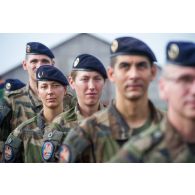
49, 90
133, 73
91, 84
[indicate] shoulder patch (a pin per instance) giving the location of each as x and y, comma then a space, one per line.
8, 153
47, 150
64, 154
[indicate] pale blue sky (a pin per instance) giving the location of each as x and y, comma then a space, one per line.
12, 45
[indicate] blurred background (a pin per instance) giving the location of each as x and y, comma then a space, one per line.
66, 46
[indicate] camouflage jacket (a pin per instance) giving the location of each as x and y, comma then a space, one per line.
99, 137
20, 105
72, 117
32, 141
162, 144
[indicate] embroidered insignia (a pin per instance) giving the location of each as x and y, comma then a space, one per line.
64, 154
8, 153
47, 150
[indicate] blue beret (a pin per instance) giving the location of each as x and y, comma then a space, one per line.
89, 62
50, 73
38, 48
13, 84
181, 53
131, 46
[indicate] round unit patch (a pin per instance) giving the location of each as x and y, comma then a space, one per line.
47, 150
64, 154
8, 153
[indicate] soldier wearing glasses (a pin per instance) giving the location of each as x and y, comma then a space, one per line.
174, 140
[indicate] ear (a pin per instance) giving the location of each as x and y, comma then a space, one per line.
71, 82
153, 71
24, 65
110, 73
65, 90
163, 89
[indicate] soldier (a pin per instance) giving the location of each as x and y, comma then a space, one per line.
87, 79
174, 139
23, 104
32, 141
99, 137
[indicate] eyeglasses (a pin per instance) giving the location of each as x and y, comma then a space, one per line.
184, 81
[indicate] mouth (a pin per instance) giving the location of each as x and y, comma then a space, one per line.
51, 99
134, 86
91, 94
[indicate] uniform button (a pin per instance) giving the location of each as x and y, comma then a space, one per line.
50, 134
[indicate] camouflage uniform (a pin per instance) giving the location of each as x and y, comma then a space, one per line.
100, 137
19, 106
72, 116
161, 144
25, 143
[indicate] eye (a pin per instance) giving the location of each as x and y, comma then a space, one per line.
142, 65
124, 65
84, 79
43, 87
45, 61
186, 79
34, 61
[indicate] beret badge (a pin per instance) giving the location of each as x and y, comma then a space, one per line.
76, 62
28, 48
173, 51
114, 46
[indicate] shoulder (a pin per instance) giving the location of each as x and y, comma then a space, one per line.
16, 93
98, 118
29, 124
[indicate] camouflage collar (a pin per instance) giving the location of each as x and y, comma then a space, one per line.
41, 121
80, 117
36, 102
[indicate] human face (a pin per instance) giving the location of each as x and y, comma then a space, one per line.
88, 86
51, 93
132, 75
33, 62
177, 87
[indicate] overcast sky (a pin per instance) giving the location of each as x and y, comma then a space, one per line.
12, 45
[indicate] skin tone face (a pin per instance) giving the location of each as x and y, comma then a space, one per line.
33, 62
177, 87
88, 86
131, 75
51, 94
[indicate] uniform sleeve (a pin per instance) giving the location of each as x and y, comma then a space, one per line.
5, 118
75, 145
12, 150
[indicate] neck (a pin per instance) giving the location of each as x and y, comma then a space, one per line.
185, 126
135, 112
33, 86
51, 113
86, 110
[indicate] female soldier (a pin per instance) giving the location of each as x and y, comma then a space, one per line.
32, 141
